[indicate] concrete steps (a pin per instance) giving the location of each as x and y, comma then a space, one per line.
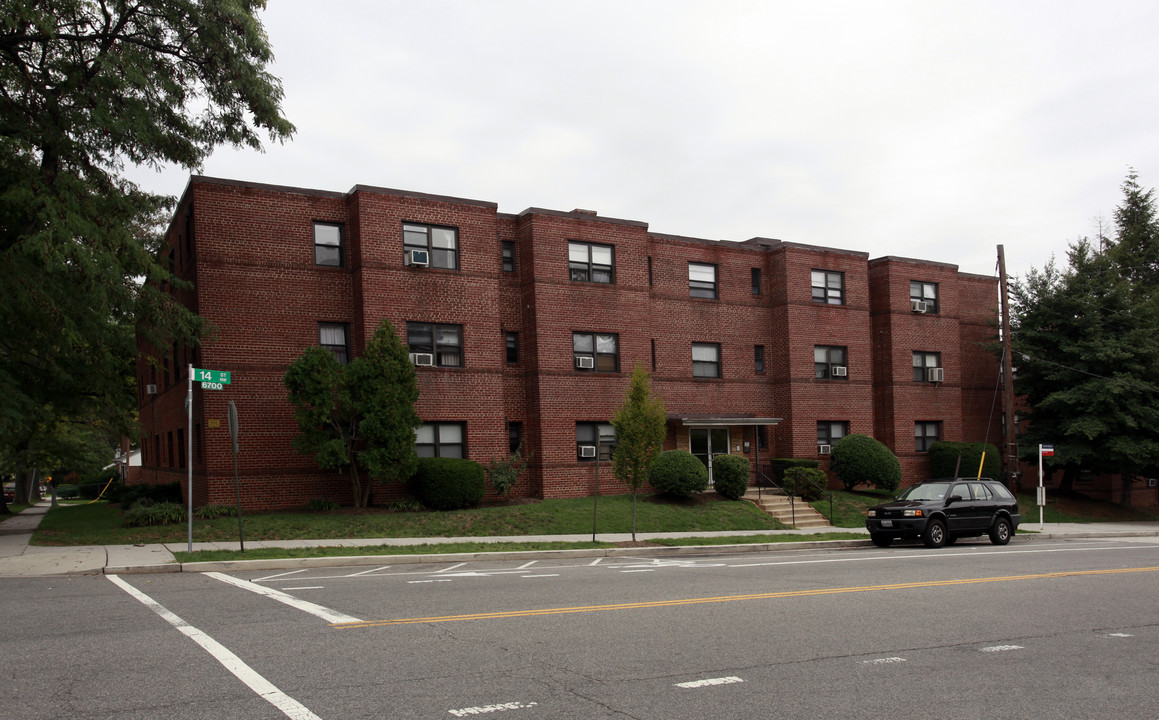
781, 508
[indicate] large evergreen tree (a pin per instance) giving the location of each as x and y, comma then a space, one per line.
359, 416
85, 87
1087, 350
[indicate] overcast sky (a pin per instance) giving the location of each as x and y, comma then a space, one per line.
927, 129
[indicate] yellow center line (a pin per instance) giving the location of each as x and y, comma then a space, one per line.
730, 598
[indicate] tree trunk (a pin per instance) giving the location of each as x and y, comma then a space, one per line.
1069, 474
1128, 481
633, 516
28, 486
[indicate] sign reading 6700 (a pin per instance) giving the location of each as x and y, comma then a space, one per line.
211, 379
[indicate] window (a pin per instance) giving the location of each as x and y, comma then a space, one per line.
585, 440
756, 281
444, 439
705, 360
702, 280
329, 239
923, 361
332, 336
829, 363
924, 293
588, 262
445, 342
514, 436
926, 434
759, 358
441, 242
596, 351
512, 347
828, 287
508, 253
829, 432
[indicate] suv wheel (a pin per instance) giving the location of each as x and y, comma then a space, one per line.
935, 534
881, 540
1000, 532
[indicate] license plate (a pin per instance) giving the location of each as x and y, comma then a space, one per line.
887, 523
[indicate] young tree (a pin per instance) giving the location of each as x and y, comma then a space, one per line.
86, 86
1087, 353
357, 415
640, 429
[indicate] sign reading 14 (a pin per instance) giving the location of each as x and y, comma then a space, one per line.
211, 379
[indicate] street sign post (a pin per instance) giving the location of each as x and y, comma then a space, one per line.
236, 483
210, 380
1043, 451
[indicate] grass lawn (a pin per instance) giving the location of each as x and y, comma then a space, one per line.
100, 523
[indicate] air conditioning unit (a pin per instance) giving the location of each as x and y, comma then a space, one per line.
587, 450
423, 359
418, 258
918, 306
824, 449
150, 389
839, 371
584, 363
935, 375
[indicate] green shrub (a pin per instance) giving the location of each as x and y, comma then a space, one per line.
209, 512
505, 473
778, 466
861, 460
94, 483
448, 483
146, 513
807, 483
128, 495
679, 473
405, 505
944, 459
321, 506
67, 492
730, 475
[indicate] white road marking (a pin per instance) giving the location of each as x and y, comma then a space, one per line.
306, 587
330, 616
450, 568
266, 690
883, 661
539, 576
1120, 635
1002, 648
710, 681
595, 562
367, 572
501, 707
272, 577
424, 582
632, 571
526, 565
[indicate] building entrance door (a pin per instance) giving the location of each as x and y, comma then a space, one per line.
707, 443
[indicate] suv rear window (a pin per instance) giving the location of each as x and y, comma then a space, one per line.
1001, 491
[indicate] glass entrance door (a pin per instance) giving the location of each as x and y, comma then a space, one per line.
707, 443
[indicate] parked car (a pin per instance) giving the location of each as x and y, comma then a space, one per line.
941, 511
9, 493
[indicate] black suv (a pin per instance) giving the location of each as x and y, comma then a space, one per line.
941, 511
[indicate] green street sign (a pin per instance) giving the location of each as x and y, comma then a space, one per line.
211, 378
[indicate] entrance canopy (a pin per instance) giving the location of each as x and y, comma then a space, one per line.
721, 420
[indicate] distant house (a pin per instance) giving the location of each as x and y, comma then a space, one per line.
524, 329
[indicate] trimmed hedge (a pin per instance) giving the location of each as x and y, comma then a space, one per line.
809, 484
861, 460
448, 483
679, 473
730, 475
778, 466
944, 460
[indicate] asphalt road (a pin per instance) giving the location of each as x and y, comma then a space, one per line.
1066, 629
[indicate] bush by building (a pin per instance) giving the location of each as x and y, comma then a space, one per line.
679, 473
448, 483
807, 483
730, 475
861, 460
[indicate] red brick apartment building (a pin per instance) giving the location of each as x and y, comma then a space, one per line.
525, 328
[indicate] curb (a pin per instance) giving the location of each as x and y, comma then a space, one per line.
363, 560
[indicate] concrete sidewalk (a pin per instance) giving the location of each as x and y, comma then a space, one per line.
19, 559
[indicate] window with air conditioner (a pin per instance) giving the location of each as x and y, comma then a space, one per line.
923, 362
597, 352
440, 243
418, 258
422, 359
829, 432
441, 341
923, 296
935, 375
824, 449
830, 362
592, 435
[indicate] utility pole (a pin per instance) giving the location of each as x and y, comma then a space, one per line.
1010, 455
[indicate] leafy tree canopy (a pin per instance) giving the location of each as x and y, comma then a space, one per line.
1086, 348
86, 86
